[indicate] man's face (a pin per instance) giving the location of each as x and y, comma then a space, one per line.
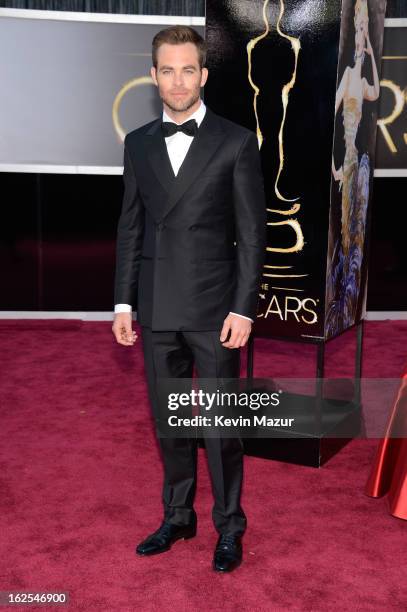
178, 75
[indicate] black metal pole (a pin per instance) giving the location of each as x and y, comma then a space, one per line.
358, 363
319, 387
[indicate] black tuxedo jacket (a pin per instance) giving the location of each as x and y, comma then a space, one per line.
190, 248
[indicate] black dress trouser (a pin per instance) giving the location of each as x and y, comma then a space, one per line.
169, 354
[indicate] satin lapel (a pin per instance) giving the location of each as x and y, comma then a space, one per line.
158, 156
204, 145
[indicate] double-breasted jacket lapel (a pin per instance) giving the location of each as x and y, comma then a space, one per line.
158, 157
203, 147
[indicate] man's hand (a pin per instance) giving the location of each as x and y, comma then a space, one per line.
122, 329
240, 329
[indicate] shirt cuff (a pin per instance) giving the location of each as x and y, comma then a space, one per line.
122, 308
243, 317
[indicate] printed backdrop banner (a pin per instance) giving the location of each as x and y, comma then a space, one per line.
305, 77
391, 150
72, 89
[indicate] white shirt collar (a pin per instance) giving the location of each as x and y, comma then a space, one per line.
198, 115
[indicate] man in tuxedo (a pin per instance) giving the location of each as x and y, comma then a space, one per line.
190, 250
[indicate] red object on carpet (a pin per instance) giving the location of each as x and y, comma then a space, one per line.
389, 472
80, 486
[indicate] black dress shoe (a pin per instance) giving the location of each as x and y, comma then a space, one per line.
162, 539
228, 553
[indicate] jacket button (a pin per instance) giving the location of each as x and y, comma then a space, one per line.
193, 228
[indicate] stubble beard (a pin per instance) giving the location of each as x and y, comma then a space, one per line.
183, 105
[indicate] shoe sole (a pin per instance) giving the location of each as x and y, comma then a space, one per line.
226, 571
158, 552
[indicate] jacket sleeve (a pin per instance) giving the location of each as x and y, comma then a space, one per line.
130, 231
250, 223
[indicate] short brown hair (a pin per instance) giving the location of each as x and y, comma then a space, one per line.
178, 35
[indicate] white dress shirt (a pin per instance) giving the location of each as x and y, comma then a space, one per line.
177, 147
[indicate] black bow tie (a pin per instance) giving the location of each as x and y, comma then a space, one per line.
190, 128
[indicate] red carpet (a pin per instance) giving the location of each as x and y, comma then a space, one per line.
80, 483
